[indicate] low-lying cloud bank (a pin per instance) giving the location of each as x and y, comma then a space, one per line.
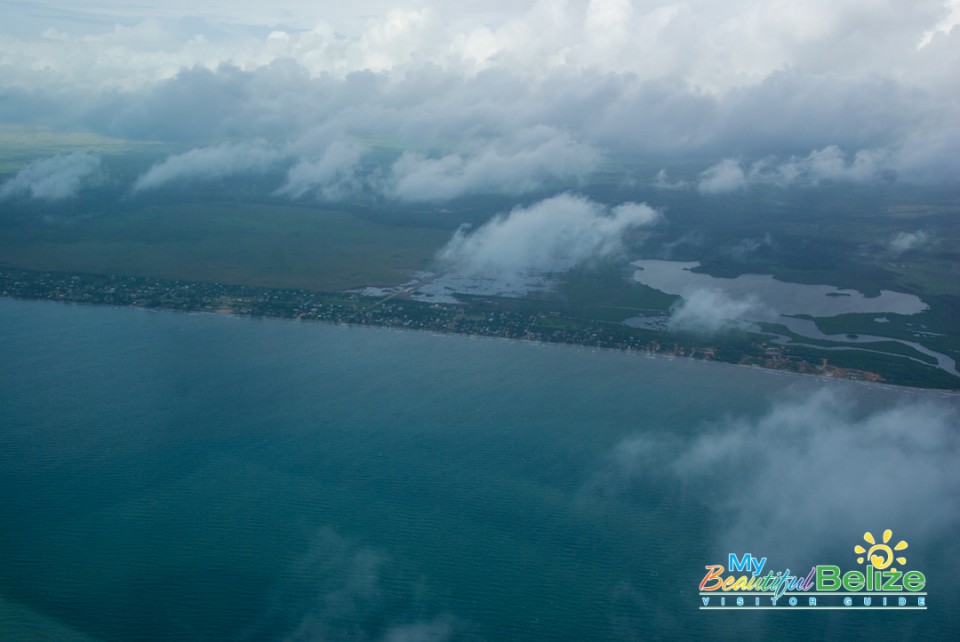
513, 167
829, 164
332, 176
741, 79
208, 163
551, 235
506, 99
56, 178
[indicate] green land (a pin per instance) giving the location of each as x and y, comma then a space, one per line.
304, 256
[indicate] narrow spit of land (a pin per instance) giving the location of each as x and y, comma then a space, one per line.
482, 316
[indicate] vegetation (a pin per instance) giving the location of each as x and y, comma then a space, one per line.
271, 245
229, 234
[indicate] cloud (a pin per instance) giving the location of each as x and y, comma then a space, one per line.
744, 80
906, 241
632, 461
551, 235
829, 164
944, 26
692, 239
711, 311
208, 163
525, 163
708, 46
339, 589
662, 181
332, 176
745, 247
831, 466
518, 164
725, 176
815, 463
55, 178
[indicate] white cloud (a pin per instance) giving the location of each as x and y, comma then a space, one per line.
332, 176
944, 26
341, 590
840, 464
716, 47
829, 164
817, 462
906, 241
55, 178
524, 163
662, 181
710, 311
208, 163
725, 176
746, 247
741, 79
550, 235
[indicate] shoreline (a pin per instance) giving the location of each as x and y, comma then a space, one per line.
632, 353
526, 319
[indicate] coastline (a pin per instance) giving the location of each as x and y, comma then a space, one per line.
529, 340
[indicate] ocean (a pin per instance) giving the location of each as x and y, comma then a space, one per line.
179, 476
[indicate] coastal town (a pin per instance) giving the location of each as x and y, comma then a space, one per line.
482, 316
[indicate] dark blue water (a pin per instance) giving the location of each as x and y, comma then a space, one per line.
168, 476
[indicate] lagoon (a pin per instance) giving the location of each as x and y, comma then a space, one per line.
781, 297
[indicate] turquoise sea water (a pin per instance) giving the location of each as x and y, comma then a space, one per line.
169, 476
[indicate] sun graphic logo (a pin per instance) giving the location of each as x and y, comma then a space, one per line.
880, 555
